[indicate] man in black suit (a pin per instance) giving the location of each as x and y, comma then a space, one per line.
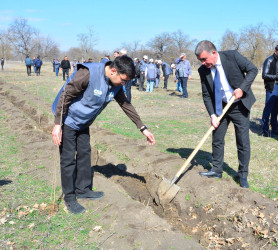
223, 75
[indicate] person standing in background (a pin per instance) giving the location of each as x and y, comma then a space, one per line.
57, 65
34, 66
184, 73
2, 63
65, 65
28, 63
38, 64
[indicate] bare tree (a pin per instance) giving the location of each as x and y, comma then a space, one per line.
83, 39
21, 36
254, 38
182, 42
132, 48
231, 41
74, 53
87, 42
160, 43
50, 49
5, 48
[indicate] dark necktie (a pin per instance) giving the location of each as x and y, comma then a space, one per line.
218, 97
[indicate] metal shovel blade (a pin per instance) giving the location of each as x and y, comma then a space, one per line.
167, 190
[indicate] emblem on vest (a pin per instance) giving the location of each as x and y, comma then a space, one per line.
97, 92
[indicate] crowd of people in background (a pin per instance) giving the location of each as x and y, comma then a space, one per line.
36, 63
149, 72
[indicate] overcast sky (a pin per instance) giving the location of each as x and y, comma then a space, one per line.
124, 21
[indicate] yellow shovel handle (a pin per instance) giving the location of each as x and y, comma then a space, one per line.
203, 139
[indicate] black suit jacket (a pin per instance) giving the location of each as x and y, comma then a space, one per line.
240, 73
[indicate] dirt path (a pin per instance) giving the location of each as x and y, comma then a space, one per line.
216, 213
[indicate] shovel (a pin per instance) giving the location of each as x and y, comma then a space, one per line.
167, 190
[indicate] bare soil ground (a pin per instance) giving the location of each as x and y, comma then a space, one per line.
206, 213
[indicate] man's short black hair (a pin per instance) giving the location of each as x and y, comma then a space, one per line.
276, 48
124, 65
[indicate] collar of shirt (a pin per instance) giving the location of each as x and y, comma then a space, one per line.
217, 64
226, 89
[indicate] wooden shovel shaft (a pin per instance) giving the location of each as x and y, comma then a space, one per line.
203, 140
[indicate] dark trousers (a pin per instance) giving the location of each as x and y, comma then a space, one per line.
128, 90
166, 81
38, 70
239, 115
141, 81
271, 108
28, 70
75, 161
184, 86
2, 65
65, 71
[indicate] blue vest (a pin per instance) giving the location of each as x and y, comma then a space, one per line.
142, 66
151, 73
28, 61
85, 108
104, 60
168, 70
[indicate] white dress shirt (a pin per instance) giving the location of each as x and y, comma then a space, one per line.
226, 89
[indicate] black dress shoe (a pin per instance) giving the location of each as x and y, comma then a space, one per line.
211, 174
92, 195
243, 182
74, 207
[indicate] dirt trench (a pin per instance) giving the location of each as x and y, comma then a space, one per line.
216, 213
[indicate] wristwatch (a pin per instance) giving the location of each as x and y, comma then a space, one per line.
144, 128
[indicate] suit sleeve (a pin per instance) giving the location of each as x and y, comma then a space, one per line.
128, 108
247, 67
207, 95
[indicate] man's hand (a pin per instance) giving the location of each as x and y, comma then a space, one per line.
214, 121
57, 135
150, 137
189, 77
238, 93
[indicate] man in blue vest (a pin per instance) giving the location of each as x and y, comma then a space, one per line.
57, 65
85, 94
105, 59
28, 63
184, 73
150, 74
166, 72
38, 63
142, 68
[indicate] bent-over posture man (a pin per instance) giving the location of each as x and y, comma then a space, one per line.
85, 94
223, 75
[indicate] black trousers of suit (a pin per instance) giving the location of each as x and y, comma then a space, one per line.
75, 161
239, 115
